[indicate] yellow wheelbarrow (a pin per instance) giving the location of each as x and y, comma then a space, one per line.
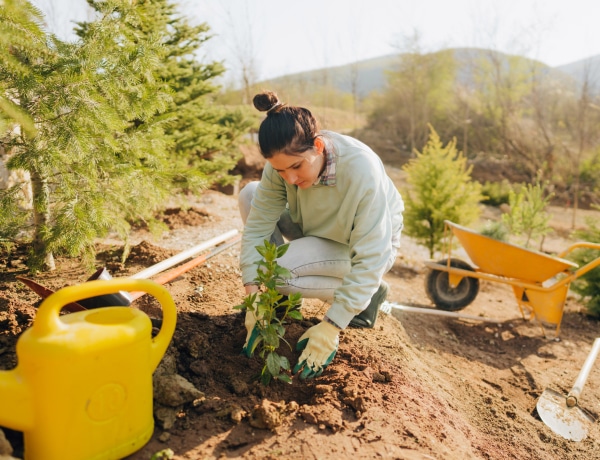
539, 281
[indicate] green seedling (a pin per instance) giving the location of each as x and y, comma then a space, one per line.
272, 312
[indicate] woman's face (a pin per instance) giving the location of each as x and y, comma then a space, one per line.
301, 170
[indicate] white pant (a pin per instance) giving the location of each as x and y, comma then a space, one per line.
317, 265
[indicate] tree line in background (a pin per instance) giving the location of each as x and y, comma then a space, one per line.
500, 107
530, 121
108, 126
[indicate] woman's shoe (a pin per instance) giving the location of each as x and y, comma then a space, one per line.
367, 318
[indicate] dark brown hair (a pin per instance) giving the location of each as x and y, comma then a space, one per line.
286, 129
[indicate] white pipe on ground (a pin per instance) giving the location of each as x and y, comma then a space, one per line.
174, 260
386, 307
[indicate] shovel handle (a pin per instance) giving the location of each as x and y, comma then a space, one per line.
177, 258
583, 374
164, 278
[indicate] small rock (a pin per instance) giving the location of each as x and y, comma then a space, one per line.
267, 415
166, 416
387, 375
378, 377
174, 390
350, 391
359, 404
167, 366
323, 389
238, 386
237, 414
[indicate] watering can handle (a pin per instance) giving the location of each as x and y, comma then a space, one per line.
47, 319
583, 374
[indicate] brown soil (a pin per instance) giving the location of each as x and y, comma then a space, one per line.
417, 386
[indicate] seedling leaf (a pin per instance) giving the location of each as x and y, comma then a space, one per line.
273, 363
295, 314
284, 378
281, 250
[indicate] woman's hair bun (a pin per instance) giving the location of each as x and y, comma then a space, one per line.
266, 101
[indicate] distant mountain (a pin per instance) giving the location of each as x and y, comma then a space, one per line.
588, 68
370, 75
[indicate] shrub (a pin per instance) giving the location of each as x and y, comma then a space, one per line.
527, 215
496, 193
441, 189
495, 230
588, 285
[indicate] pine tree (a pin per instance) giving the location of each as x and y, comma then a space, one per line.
203, 138
440, 189
12, 116
206, 136
90, 170
97, 123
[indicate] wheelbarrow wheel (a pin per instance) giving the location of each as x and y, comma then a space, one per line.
444, 296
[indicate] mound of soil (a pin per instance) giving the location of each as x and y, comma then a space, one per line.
417, 386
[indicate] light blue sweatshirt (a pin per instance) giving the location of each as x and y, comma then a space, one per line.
363, 210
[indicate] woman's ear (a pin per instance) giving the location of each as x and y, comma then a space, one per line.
319, 145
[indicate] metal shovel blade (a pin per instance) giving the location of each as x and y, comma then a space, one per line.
562, 413
569, 422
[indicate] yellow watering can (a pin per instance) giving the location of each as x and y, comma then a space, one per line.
82, 388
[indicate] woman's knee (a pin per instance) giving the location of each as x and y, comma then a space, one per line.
313, 256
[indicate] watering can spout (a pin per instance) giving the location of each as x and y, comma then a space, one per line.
16, 411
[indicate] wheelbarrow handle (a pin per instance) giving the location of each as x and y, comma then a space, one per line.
583, 374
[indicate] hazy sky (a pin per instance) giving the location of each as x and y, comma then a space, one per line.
287, 36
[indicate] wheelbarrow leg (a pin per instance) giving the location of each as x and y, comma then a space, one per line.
523, 303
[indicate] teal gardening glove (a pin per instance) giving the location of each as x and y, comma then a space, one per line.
253, 336
320, 344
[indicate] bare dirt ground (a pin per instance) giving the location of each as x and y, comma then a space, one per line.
417, 386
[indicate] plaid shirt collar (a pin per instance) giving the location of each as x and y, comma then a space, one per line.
328, 176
